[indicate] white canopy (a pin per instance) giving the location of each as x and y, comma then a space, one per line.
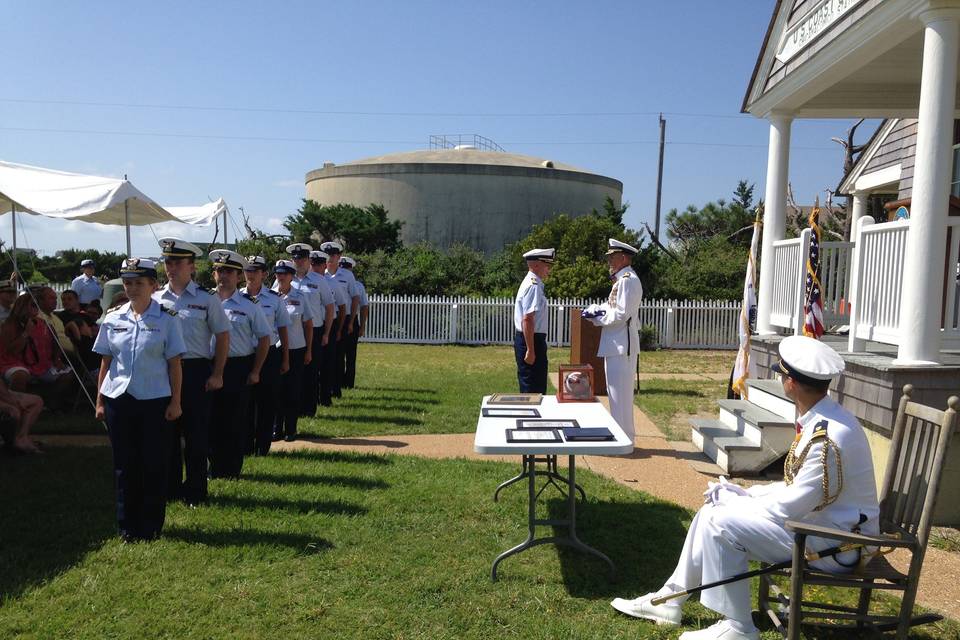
75, 196
202, 215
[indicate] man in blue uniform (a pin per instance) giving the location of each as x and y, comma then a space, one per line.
201, 320
86, 285
327, 353
301, 351
348, 302
264, 397
350, 369
138, 395
530, 322
249, 344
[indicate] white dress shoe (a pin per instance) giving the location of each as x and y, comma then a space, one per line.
723, 630
641, 608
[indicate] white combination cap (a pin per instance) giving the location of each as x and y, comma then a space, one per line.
177, 248
543, 255
299, 249
86, 263
136, 267
318, 256
808, 361
256, 262
228, 258
332, 247
615, 246
348, 260
284, 266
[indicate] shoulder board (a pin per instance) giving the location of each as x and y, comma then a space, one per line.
626, 275
210, 291
270, 291
820, 430
251, 298
169, 311
112, 309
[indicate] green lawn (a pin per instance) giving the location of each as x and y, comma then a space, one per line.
670, 403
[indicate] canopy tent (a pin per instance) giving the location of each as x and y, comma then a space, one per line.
74, 196
202, 215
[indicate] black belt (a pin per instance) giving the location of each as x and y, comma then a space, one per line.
520, 333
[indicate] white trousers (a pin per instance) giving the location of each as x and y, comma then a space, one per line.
720, 542
620, 371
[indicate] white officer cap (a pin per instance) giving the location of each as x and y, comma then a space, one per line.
317, 257
256, 262
284, 266
332, 247
177, 248
615, 246
348, 261
86, 263
543, 255
299, 249
227, 258
808, 361
136, 267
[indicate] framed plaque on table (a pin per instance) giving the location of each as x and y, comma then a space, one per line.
533, 436
515, 398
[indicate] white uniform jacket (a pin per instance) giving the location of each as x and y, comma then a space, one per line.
621, 322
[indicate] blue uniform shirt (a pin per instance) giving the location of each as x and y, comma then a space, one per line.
139, 348
318, 283
340, 294
247, 324
201, 317
88, 288
299, 311
364, 300
346, 278
274, 310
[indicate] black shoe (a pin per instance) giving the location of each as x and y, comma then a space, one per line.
276, 437
290, 438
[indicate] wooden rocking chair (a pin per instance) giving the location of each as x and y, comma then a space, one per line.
921, 437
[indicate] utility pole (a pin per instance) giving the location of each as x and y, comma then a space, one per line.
663, 131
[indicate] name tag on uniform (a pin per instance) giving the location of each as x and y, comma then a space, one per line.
119, 329
237, 313
312, 286
295, 303
146, 328
200, 307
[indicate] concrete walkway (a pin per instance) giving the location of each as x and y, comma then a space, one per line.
653, 461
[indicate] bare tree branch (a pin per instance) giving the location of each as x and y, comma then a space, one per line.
657, 242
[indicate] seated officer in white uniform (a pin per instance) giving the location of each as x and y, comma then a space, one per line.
828, 480
86, 285
530, 323
619, 338
249, 344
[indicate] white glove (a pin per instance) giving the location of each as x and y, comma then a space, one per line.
718, 492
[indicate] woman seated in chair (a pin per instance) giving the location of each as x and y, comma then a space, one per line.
29, 355
828, 480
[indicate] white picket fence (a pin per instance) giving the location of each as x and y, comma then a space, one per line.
688, 324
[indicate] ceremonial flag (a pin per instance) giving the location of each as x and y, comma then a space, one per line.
812, 304
744, 368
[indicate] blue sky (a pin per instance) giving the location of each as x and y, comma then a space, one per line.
267, 72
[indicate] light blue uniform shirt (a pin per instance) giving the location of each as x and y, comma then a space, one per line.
139, 349
349, 281
299, 312
318, 283
274, 310
364, 300
88, 289
247, 324
201, 315
340, 295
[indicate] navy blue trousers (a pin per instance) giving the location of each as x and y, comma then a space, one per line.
193, 427
291, 386
350, 370
531, 377
227, 423
140, 438
264, 400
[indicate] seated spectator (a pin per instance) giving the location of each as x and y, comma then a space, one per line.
80, 328
28, 355
23, 409
8, 293
47, 301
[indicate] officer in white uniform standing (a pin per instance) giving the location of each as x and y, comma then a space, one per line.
828, 480
530, 322
619, 337
250, 335
86, 285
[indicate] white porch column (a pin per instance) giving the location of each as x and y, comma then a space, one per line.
922, 296
859, 209
774, 214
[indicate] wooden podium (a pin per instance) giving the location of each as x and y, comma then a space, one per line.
584, 343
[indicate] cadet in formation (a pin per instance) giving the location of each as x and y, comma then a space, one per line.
619, 337
138, 396
203, 323
530, 322
265, 396
324, 351
300, 338
828, 480
359, 323
249, 344
348, 284
86, 285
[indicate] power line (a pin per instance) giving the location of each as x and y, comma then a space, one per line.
202, 136
418, 114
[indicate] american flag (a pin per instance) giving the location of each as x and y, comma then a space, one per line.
812, 305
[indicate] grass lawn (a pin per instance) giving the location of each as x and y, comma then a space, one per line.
670, 403
326, 545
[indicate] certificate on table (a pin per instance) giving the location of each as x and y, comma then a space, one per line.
533, 435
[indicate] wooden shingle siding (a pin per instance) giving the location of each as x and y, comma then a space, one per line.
778, 70
900, 142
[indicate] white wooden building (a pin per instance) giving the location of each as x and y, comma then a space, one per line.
895, 285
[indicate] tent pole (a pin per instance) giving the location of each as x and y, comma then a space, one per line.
126, 218
13, 218
225, 229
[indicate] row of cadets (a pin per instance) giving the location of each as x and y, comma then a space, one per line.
249, 344
318, 296
344, 285
359, 324
300, 338
264, 397
203, 323
318, 267
138, 394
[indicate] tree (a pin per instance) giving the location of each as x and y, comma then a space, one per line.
720, 218
361, 229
